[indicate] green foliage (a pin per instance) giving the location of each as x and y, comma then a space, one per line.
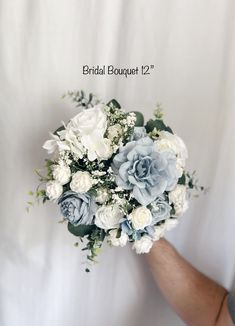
172, 212
81, 230
81, 99
158, 113
58, 130
139, 119
119, 232
157, 124
114, 104
37, 196
182, 180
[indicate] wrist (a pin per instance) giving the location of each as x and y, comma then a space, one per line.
160, 250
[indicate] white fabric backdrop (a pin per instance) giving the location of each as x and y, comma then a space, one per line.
43, 45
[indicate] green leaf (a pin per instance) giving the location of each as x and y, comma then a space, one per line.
172, 211
80, 230
158, 124
190, 184
58, 130
139, 119
45, 199
182, 180
102, 235
119, 232
114, 103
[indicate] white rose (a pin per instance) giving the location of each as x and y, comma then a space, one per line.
61, 173
121, 241
114, 131
170, 223
104, 149
172, 142
177, 144
140, 218
81, 182
90, 120
108, 217
158, 232
102, 195
143, 245
164, 144
178, 197
53, 189
97, 147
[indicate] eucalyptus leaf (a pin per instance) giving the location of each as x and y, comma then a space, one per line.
80, 230
139, 119
182, 180
158, 124
114, 103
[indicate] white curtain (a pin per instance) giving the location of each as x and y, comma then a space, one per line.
43, 46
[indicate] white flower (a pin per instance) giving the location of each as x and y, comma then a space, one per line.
140, 217
121, 202
72, 140
114, 131
172, 142
81, 182
121, 241
55, 145
143, 245
91, 125
61, 173
97, 147
178, 197
108, 217
89, 121
102, 195
104, 151
158, 232
131, 119
54, 189
170, 223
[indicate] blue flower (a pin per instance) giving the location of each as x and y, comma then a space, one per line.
160, 209
140, 167
139, 132
77, 208
127, 228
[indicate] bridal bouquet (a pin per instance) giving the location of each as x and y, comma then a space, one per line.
115, 178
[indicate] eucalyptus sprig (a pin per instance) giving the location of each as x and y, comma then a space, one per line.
81, 99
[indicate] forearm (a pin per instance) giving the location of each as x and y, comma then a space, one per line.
195, 298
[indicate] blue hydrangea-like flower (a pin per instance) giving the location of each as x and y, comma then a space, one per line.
160, 209
140, 167
139, 132
77, 208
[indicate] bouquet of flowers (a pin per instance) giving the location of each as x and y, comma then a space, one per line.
115, 178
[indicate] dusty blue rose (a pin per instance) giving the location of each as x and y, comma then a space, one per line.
77, 208
160, 209
127, 228
139, 132
140, 167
